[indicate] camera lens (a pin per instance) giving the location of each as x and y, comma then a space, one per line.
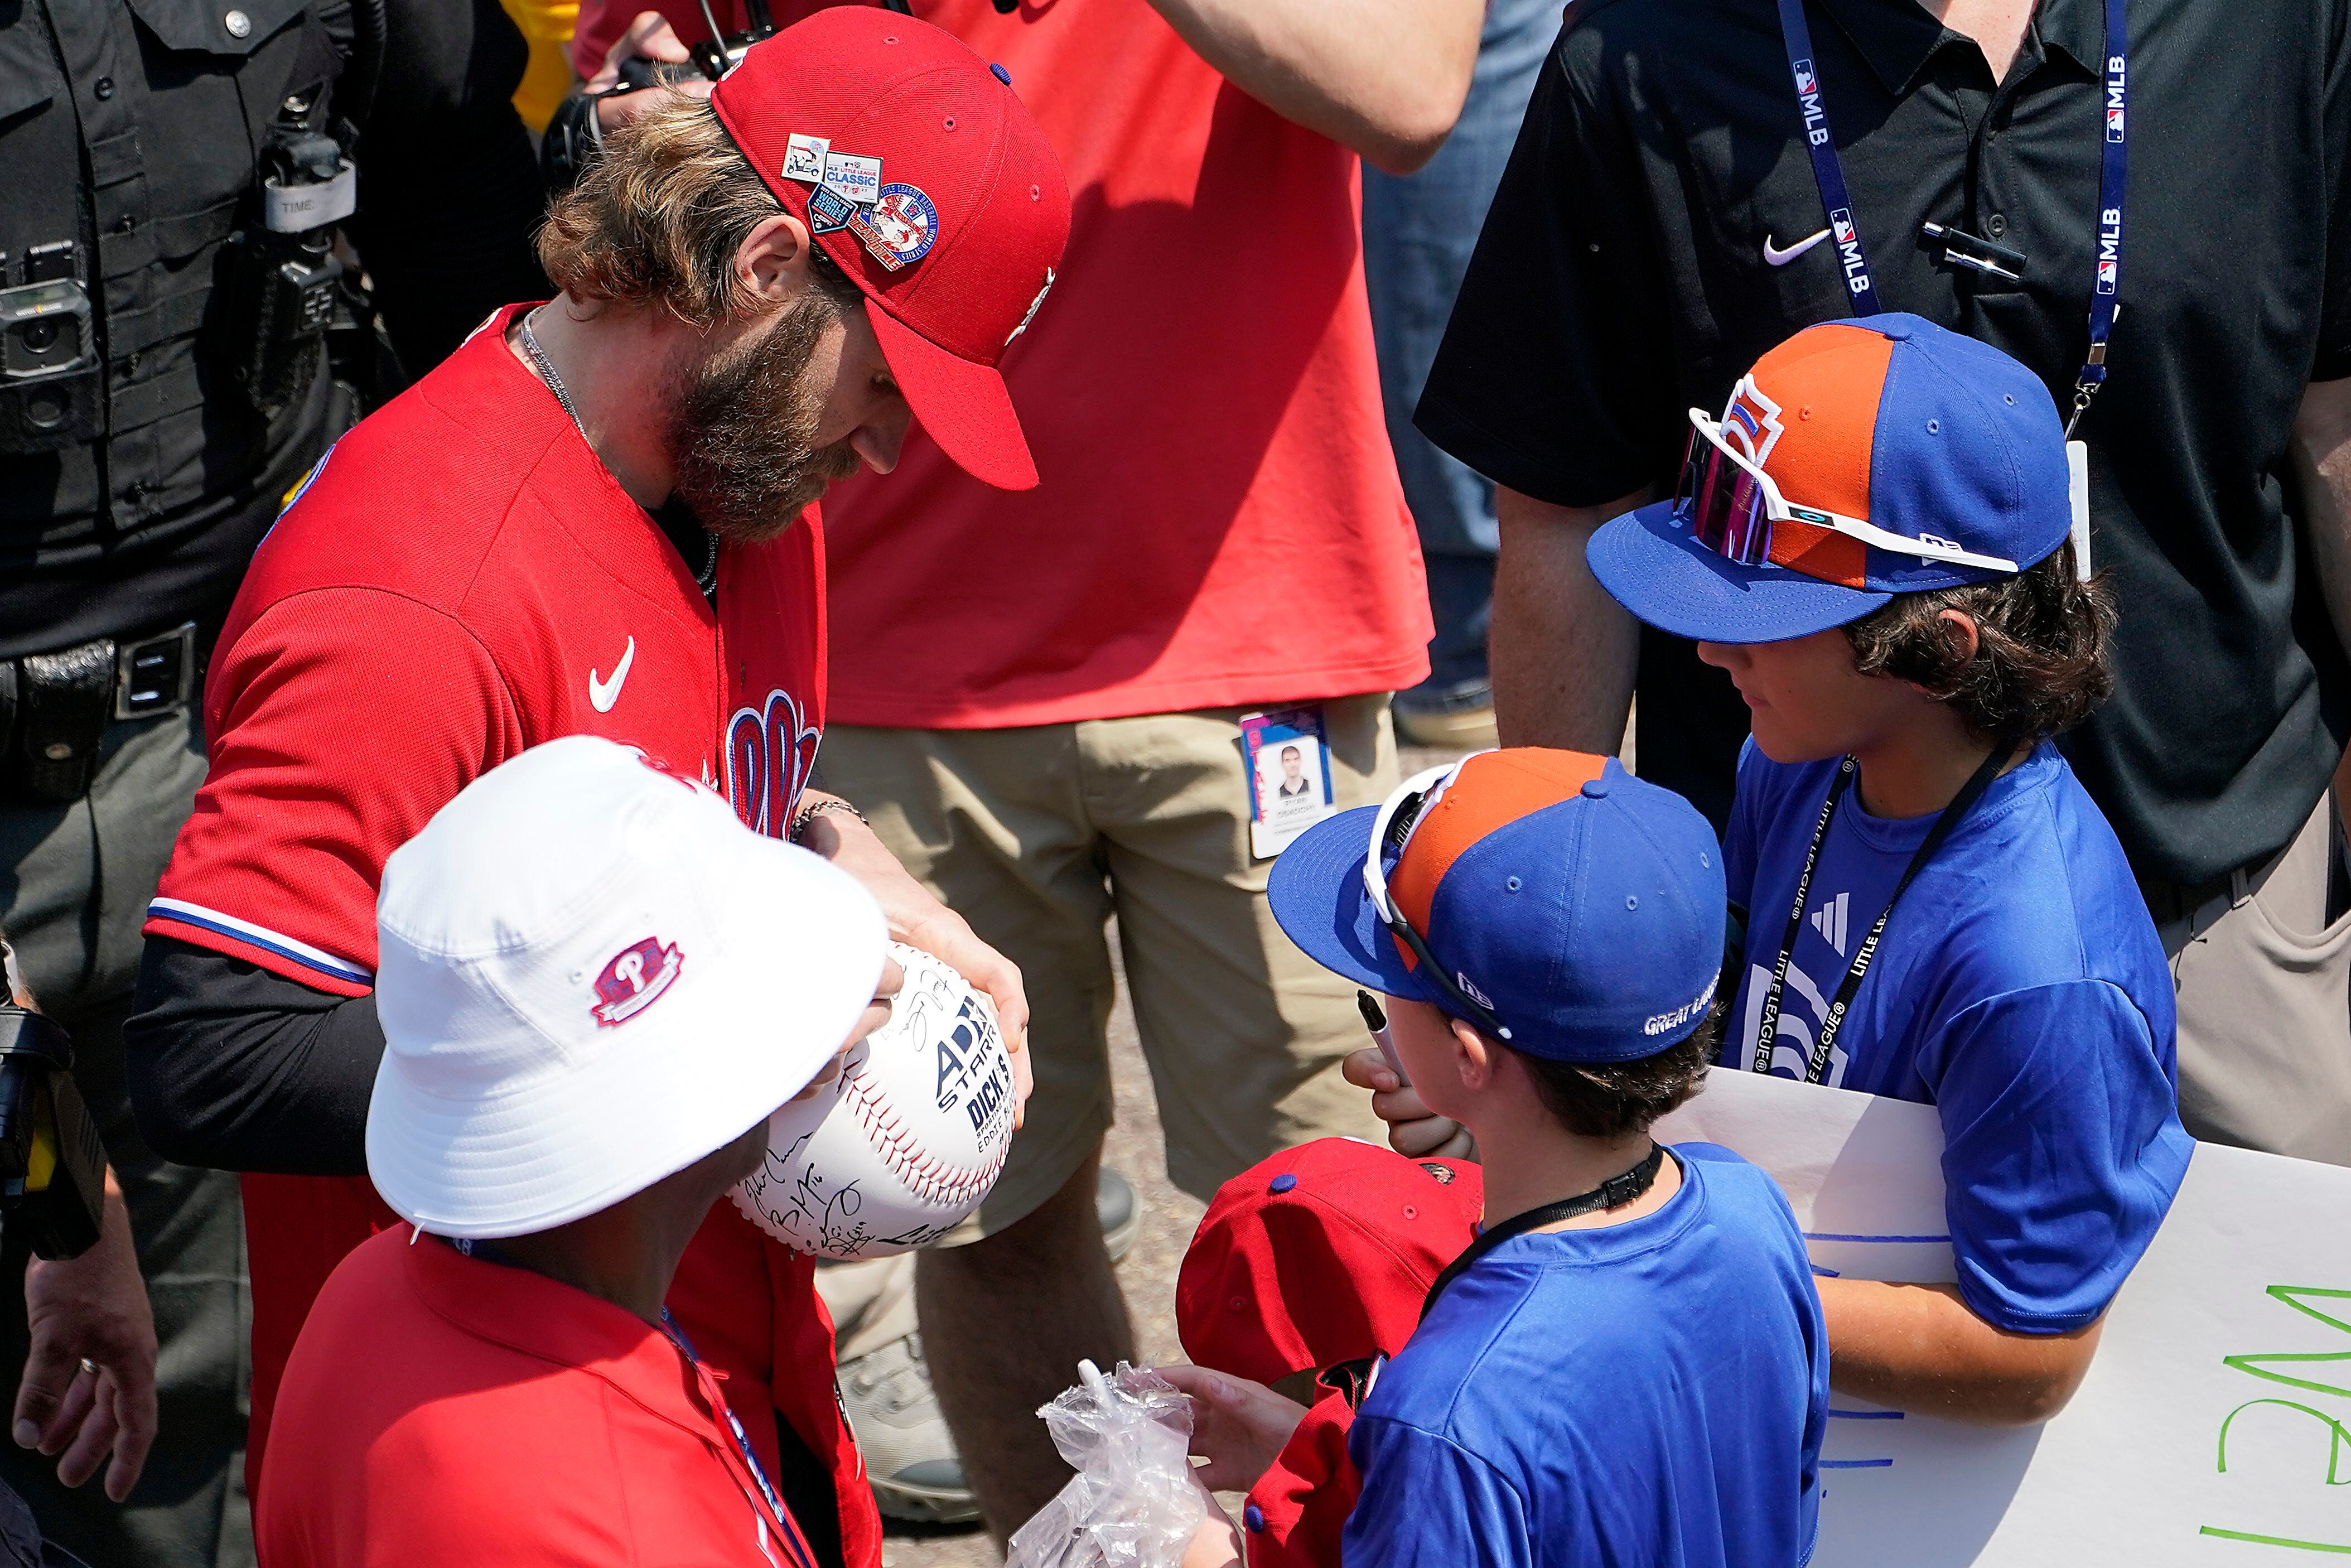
38, 336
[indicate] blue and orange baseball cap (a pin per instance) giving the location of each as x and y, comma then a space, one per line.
1856, 461
1550, 898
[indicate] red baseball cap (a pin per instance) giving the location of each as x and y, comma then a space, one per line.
920, 174
1320, 1255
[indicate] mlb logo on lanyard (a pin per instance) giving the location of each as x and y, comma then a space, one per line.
1805, 80
900, 228
2114, 125
2107, 277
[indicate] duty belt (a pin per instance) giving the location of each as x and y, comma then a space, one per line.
55, 707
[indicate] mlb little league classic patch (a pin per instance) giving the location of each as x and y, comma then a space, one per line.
900, 228
857, 179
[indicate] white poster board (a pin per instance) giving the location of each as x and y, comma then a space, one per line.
2214, 1426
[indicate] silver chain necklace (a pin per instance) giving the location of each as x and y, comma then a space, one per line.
706, 578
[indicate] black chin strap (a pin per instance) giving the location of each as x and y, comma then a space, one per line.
1614, 1193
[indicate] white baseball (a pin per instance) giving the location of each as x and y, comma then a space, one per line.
905, 1142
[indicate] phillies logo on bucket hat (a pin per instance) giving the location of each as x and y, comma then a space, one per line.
921, 174
1856, 461
635, 979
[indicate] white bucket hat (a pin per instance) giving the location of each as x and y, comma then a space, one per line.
592, 974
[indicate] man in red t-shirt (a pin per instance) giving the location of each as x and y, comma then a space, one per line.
1040, 698
598, 518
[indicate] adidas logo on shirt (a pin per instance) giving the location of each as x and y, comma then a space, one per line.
1829, 921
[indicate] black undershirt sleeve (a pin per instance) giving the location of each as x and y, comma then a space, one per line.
234, 1068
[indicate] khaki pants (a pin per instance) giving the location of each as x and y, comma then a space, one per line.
2264, 984
1038, 836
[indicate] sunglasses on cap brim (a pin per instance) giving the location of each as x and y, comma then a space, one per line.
1392, 829
1735, 510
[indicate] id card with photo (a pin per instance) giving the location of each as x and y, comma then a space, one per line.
1289, 765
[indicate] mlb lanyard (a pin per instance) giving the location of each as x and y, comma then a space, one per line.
1768, 1028
1614, 1193
1828, 173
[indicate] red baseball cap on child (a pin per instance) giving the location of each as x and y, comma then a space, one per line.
1320, 1254
920, 174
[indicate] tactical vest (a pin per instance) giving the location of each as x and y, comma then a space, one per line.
137, 469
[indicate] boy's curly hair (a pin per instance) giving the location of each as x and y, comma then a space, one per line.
2039, 666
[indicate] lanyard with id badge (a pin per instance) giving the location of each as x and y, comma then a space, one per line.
1962, 249
1287, 758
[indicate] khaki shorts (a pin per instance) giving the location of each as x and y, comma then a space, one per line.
2265, 984
1038, 836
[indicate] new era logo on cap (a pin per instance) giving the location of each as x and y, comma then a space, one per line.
1582, 907
934, 192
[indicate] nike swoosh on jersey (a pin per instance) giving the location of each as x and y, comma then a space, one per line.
1778, 258
602, 694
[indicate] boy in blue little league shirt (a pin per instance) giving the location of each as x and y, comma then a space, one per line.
1628, 1364
1874, 543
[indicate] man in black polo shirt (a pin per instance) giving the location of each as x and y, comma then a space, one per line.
1663, 223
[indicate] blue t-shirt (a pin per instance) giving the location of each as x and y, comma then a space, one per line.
1651, 1394
2019, 990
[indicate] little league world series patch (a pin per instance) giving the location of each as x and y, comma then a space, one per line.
829, 211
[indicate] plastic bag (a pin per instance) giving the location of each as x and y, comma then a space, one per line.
1132, 1504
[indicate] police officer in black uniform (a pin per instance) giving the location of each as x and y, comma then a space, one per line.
189, 189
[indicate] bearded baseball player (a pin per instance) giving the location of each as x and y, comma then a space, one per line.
599, 517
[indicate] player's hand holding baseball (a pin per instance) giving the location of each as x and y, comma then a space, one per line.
919, 920
1413, 1131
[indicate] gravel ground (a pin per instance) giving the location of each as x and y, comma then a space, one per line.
1147, 1273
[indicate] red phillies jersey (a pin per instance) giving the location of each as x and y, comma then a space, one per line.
1218, 518
443, 1409
459, 579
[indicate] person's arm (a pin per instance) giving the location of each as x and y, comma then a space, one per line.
240, 1053
1558, 380
1921, 1348
919, 920
1385, 77
233, 1068
1564, 653
450, 193
92, 1308
2321, 453
2062, 1150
